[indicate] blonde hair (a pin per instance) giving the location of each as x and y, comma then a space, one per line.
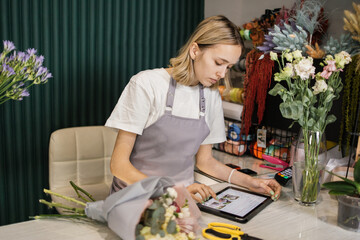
213, 30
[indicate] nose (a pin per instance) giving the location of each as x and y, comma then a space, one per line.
221, 73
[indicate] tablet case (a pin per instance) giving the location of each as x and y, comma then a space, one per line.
234, 217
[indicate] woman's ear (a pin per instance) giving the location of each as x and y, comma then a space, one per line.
194, 50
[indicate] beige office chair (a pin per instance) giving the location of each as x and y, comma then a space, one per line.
81, 155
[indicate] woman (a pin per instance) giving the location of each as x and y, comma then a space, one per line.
166, 117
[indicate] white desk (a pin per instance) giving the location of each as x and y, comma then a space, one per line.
283, 219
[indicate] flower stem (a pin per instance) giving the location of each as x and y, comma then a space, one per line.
64, 197
47, 216
54, 204
77, 189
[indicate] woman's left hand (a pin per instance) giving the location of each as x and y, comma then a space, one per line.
266, 186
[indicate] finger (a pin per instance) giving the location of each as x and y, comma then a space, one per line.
276, 186
196, 198
266, 189
201, 191
212, 193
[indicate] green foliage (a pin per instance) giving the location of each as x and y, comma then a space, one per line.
307, 104
346, 187
346, 43
289, 38
171, 227
307, 14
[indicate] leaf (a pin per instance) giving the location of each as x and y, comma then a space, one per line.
138, 229
292, 110
355, 184
171, 227
311, 122
154, 205
337, 193
140, 237
329, 98
277, 89
162, 233
357, 171
340, 186
155, 228
330, 119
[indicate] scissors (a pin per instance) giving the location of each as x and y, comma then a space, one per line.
221, 231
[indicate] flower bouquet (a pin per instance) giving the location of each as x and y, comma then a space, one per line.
307, 99
148, 209
19, 71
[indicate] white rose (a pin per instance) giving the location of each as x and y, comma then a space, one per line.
304, 69
297, 54
172, 192
273, 56
320, 86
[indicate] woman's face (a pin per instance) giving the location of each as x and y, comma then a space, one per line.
211, 63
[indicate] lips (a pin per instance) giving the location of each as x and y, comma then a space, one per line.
213, 80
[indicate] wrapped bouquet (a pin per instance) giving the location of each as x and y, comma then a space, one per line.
152, 208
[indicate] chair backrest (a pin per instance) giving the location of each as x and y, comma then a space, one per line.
82, 155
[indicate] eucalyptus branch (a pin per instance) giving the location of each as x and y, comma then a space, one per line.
64, 197
77, 189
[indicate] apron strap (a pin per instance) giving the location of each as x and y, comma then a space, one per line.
201, 101
171, 94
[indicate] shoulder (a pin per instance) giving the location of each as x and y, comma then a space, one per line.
149, 77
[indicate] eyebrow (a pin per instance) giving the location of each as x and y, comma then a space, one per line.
222, 59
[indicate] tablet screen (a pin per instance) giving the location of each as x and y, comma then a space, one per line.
236, 202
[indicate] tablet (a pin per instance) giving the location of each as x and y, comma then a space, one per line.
235, 204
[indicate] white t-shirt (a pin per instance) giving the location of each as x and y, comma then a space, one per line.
143, 102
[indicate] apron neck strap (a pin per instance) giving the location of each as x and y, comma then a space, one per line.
171, 94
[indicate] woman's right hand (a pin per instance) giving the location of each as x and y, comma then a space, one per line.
203, 190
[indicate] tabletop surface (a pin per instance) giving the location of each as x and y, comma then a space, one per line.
283, 219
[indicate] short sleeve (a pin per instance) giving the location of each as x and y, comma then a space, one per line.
215, 118
132, 109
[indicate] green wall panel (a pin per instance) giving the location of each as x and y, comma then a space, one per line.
92, 48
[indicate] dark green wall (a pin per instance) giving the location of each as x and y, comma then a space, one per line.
92, 48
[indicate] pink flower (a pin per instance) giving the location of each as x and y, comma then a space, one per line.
325, 74
329, 69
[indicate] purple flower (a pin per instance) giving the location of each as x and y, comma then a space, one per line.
46, 77
23, 70
25, 93
20, 84
21, 56
41, 71
8, 46
39, 60
26, 57
7, 70
31, 51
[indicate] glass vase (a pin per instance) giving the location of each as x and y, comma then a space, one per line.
308, 166
349, 213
